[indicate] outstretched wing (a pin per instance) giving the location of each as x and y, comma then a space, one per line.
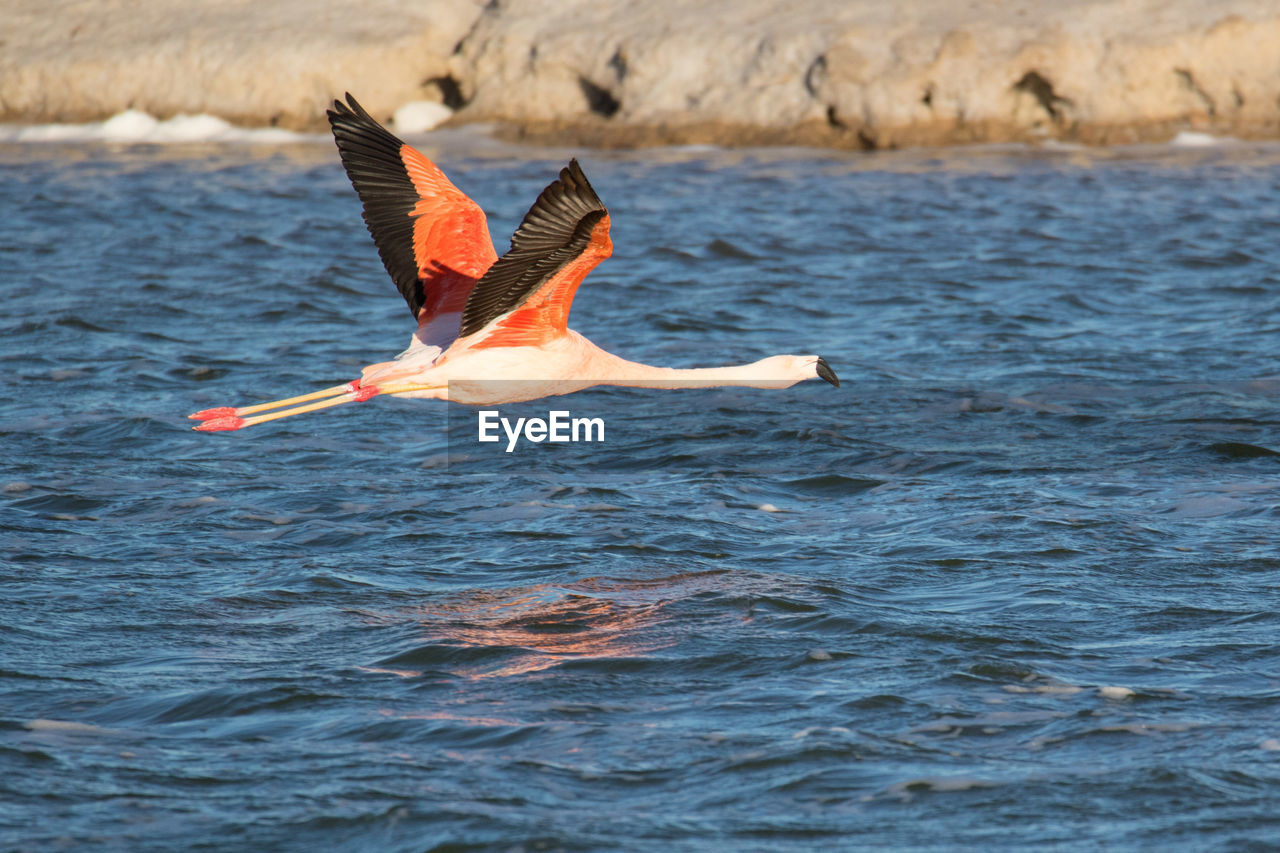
526, 295
433, 240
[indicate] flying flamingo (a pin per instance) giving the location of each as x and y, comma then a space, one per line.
490, 330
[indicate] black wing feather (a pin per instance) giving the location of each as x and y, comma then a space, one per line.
555, 231
371, 155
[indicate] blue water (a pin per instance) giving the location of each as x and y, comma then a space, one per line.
1014, 584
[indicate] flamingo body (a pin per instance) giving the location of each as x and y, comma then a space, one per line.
490, 329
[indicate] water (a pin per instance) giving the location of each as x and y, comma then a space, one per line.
1020, 586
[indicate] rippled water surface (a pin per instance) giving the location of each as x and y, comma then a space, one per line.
1013, 584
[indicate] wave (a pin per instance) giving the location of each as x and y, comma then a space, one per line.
1194, 139
137, 126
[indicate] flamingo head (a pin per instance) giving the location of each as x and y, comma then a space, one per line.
797, 368
825, 372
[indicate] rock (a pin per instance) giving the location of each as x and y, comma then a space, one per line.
846, 73
255, 63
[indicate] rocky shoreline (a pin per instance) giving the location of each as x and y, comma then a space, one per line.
607, 73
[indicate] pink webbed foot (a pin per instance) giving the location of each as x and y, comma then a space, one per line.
221, 424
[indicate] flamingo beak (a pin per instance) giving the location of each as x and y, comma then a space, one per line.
825, 372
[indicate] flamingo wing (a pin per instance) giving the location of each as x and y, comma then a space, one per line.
433, 240
524, 298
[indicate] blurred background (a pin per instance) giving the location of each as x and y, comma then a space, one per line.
841, 74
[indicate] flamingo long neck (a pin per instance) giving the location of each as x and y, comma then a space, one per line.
633, 374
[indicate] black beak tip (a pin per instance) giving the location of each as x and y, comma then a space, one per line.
825, 372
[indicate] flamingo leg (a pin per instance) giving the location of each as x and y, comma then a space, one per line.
228, 418
233, 411
230, 422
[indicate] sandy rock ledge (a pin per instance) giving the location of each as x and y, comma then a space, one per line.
860, 74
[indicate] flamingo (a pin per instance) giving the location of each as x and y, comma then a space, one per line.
490, 330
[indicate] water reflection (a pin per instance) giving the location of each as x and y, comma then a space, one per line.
539, 627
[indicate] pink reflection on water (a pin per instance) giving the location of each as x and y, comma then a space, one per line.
544, 625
